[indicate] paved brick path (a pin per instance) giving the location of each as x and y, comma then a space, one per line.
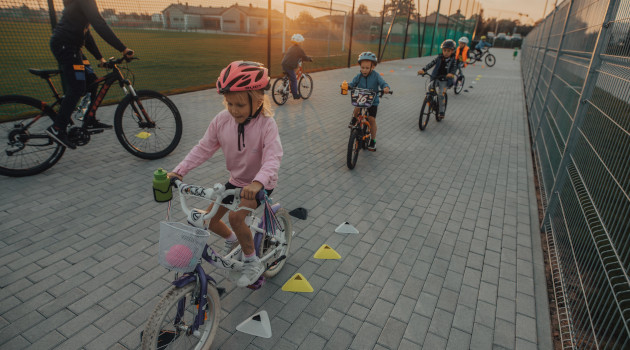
448, 254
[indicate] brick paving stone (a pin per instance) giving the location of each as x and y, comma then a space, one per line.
445, 236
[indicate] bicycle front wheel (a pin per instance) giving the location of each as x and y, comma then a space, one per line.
354, 146
305, 86
280, 96
437, 114
459, 84
27, 149
490, 60
270, 242
149, 126
425, 114
169, 325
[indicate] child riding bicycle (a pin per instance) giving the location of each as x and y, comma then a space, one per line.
248, 136
445, 67
368, 78
482, 44
290, 62
461, 53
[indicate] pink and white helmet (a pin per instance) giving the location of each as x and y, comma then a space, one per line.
243, 76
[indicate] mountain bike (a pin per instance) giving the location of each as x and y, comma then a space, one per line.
188, 315
360, 133
460, 80
147, 123
475, 56
281, 89
431, 105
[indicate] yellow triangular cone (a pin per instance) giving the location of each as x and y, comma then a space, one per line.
297, 283
326, 252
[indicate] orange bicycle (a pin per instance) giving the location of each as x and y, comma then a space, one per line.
360, 133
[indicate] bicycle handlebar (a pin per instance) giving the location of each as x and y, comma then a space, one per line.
111, 62
380, 92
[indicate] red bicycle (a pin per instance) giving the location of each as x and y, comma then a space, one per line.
282, 86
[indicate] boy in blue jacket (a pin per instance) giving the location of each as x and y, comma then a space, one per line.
369, 79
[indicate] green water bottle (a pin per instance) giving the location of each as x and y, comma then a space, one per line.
161, 186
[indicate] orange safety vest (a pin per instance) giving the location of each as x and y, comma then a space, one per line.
462, 54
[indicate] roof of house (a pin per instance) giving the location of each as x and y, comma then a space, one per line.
217, 11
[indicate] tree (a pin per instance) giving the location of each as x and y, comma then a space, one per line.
305, 18
362, 10
402, 6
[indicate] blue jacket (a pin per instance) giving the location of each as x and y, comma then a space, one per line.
373, 81
481, 44
451, 66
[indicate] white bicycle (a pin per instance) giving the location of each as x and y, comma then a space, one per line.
188, 315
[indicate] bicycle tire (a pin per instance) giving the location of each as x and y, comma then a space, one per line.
277, 92
144, 141
306, 82
459, 84
437, 112
490, 60
423, 120
269, 243
472, 58
354, 146
168, 305
14, 111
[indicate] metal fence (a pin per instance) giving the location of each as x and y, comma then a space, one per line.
576, 76
183, 45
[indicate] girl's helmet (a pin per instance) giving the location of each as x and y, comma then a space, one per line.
448, 44
463, 40
297, 38
243, 76
367, 55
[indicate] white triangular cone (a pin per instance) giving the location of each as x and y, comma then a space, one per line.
258, 325
346, 228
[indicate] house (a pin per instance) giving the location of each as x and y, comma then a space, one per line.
239, 19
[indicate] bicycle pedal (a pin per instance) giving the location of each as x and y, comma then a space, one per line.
95, 131
258, 284
221, 291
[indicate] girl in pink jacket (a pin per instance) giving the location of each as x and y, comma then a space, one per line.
248, 136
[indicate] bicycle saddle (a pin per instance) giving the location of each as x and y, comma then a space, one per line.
44, 73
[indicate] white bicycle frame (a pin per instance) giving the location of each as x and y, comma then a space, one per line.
197, 218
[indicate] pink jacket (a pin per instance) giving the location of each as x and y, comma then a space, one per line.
259, 160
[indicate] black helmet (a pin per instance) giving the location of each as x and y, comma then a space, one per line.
448, 44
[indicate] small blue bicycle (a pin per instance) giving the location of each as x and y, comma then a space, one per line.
188, 315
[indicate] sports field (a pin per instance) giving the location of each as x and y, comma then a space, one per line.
170, 61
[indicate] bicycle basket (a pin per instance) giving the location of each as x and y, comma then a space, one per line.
362, 97
181, 246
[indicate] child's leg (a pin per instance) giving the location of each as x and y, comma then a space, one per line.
217, 225
243, 233
292, 82
441, 90
372, 122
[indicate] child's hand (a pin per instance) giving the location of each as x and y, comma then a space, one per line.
386, 90
421, 72
172, 175
450, 75
250, 191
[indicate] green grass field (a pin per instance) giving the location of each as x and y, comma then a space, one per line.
170, 61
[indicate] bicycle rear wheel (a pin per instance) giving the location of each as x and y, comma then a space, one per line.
153, 138
305, 86
459, 84
490, 60
27, 149
168, 326
278, 93
425, 113
354, 146
269, 243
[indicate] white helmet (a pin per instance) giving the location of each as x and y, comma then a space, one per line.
463, 40
297, 38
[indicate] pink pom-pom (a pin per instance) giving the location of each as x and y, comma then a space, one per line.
179, 256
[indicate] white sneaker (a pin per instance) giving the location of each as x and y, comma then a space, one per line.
252, 269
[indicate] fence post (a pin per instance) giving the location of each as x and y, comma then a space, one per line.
389, 31
587, 90
351, 30
407, 29
269, 37
448, 18
52, 14
380, 37
437, 26
424, 28
553, 69
418, 27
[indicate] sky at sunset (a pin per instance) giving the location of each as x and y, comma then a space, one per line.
492, 8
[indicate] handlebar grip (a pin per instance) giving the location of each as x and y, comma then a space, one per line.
260, 196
